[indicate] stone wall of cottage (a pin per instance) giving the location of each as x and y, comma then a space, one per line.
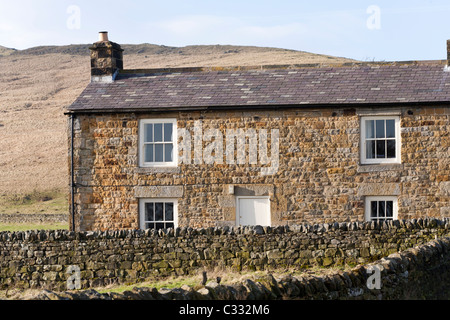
319, 177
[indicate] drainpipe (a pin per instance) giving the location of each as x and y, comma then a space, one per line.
72, 178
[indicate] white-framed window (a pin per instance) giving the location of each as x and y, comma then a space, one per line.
380, 140
157, 143
158, 213
381, 208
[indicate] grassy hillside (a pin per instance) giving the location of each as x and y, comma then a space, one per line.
6, 51
38, 83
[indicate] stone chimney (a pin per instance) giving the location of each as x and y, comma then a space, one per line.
106, 59
448, 53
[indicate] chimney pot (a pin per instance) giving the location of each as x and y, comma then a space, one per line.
103, 36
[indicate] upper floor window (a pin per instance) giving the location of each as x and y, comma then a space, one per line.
157, 143
380, 140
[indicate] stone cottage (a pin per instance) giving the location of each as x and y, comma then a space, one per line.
269, 145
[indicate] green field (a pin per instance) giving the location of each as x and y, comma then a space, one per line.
51, 201
33, 226
36, 202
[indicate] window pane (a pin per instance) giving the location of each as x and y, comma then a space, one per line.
159, 226
373, 209
370, 130
168, 153
150, 226
391, 148
381, 209
380, 128
381, 149
159, 153
390, 128
370, 149
159, 211
158, 132
148, 153
389, 209
168, 129
149, 133
170, 225
149, 213
169, 212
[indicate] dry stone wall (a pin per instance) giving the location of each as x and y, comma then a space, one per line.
43, 259
422, 272
18, 218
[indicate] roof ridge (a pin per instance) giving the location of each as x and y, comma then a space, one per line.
282, 66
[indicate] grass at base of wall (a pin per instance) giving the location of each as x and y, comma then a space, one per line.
226, 277
172, 283
193, 281
37, 201
33, 226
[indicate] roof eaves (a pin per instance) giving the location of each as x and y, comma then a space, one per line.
339, 105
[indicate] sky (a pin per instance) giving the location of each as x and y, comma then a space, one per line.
379, 30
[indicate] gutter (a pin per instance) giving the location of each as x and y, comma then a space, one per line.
72, 174
299, 106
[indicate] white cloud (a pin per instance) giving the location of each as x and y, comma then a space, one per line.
216, 26
189, 25
208, 29
17, 23
273, 32
6, 27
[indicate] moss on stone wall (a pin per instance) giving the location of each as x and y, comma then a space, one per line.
41, 259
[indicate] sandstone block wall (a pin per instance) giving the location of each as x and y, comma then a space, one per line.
43, 259
422, 272
319, 179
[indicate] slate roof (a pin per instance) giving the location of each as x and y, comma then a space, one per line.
203, 88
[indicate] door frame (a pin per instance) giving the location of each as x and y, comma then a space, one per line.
238, 216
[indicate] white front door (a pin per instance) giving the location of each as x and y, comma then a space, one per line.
253, 211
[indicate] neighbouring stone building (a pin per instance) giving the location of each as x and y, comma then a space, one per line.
269, 145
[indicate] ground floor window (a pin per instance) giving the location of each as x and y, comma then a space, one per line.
381, 208
158, 214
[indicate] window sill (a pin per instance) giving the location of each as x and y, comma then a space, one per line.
379, 167
150, 170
